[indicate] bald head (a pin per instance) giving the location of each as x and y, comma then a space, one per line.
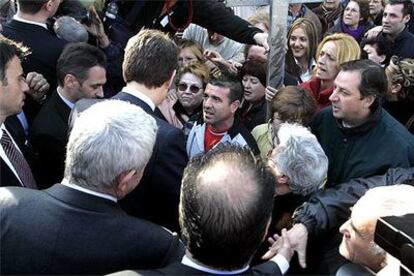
226, 203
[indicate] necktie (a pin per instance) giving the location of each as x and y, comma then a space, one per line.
18, 161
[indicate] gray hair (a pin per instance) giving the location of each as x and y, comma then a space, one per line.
107, 139
67, 28
301, 158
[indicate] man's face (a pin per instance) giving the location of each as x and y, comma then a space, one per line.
375, 7
92, 87
331, 4
393, 20
358, 241
12, 89
218, 111
347, 103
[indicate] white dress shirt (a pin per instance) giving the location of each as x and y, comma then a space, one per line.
140, 96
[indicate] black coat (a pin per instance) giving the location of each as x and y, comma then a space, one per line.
64, 231
157, 196
49, 136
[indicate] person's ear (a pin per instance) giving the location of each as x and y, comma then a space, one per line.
234, 106
368, 100
396, 88
70, 81
406, 18
126, 182
171, 81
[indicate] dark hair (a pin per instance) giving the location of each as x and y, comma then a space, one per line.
293, 104
31, 6
407, 6
373, 79
76, 59
8, 50
223, 222
230, 81
363, 10
150, 58
256, 68
382, 44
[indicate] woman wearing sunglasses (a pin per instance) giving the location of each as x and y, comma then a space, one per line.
190, 81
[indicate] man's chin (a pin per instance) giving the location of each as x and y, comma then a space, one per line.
343, 250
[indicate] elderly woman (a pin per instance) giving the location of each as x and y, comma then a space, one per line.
400, 96
291, 104
355, 20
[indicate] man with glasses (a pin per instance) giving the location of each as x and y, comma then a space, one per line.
222, 98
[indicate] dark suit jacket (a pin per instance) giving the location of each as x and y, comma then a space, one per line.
45, 49
49, 136
15, 129
157, 196
267, 268
64, 231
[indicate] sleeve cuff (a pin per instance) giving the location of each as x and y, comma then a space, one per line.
281, 261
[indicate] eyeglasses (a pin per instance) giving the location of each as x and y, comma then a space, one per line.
193, 88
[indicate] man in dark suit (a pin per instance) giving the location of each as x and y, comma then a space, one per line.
77, 227
151, 58
14, 167
223, 221
81, 74
28, 26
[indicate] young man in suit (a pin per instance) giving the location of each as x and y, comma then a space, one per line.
14, 168
77, 227
223, 221
81, 74
149, 67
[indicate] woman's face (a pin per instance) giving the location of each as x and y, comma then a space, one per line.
352, 15
254, 91
190, 91
299, 43
185, 56
327, 67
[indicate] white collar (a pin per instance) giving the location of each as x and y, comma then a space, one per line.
140, 96
66, 101
18, 18
188, 262
87, 191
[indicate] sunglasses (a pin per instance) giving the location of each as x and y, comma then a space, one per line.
193, 88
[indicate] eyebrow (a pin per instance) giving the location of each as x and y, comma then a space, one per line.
355, 229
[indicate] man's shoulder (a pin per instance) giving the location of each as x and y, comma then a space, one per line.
10, 197
394, 130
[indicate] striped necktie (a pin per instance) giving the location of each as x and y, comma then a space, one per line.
18, 161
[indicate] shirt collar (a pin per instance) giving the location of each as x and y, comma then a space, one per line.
140, 96
87, 191
66, 101
18, 18
188, 262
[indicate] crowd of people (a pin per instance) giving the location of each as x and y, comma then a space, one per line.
140, 137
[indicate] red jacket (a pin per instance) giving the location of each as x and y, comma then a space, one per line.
322, 98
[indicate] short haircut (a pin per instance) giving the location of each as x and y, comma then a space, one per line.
312, 33
403, 74
31, 6
150, 58
67, 28
407, 5
230, 81
301, 158
196, 68
383, 45
194, 47
225, 206
346, 46
293, 104
107, 139
76, 59
373, 79
8, 50
256, 68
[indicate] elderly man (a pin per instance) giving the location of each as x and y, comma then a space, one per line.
223, 221
77, 227
358, 244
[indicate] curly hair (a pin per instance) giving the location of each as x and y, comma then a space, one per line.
403, 74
